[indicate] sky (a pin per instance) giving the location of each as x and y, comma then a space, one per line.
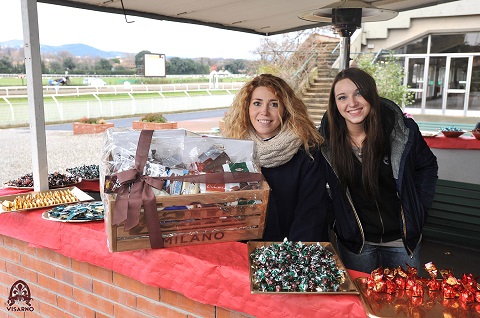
60, 25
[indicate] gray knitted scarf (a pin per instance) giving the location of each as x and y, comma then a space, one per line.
278, 150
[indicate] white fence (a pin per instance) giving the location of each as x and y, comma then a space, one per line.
15, 111
21, 91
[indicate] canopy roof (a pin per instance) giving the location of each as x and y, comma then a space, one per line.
265, 17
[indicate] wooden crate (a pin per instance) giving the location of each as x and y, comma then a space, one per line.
208, 219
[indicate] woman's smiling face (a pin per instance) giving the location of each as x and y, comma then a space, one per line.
265, 111
350, 103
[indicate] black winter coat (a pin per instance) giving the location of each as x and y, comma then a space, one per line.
297, 205
415, 171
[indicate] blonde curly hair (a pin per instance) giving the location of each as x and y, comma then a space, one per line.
295, 117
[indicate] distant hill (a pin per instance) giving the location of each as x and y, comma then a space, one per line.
78, 49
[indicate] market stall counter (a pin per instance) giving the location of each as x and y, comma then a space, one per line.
457, 157
462, 142
210, 280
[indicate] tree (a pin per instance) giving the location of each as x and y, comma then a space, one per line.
56, 67
179, 66
284, 55
236, 67
6, 65
388, 74
69, 63
67, 60
140, 61
103, 64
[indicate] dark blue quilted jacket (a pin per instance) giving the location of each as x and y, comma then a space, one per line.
415, 170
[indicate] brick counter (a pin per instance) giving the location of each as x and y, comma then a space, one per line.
63, 287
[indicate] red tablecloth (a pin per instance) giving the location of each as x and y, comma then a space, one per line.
462, 142
215, 274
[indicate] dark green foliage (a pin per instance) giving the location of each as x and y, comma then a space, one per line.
154, 118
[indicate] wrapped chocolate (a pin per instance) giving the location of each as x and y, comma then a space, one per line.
449, 291
417, 289
431, 269
391, 286
467, 296
433, 284
401, 278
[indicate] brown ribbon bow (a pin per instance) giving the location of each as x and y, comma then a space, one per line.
136, 190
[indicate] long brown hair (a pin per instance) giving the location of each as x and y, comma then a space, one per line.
295, 117
373, 146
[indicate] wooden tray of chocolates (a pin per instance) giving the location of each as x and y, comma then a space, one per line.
335, 278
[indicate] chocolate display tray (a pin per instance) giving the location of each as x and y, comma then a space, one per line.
346, 287
82, 196
6, 185
402, 304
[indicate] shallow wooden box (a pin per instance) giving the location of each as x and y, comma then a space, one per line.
346, 286
207, 219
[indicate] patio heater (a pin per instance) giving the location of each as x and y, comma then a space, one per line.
347, 16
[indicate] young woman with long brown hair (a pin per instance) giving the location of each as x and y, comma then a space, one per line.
381, 175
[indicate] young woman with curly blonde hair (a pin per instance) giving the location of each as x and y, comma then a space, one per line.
267, 111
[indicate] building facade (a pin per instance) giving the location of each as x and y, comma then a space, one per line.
440, 50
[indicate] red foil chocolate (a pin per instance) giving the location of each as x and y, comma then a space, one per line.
417, 289
467, 296
433, 284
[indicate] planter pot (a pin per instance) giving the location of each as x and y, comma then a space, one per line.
82, 128
143, 125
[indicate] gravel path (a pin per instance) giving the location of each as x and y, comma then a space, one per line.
64, 150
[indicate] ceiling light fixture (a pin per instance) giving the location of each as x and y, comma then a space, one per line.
346, 17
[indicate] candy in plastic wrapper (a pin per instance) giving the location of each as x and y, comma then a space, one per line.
411, 271
449, 291
417, 301
445, 273
401, 282
467, 296
380, 286
469, 280
410, 283
389, 273
417, 289
434, 284
431, 269
391, 287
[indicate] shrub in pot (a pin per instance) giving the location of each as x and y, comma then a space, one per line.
154, 121
90, 126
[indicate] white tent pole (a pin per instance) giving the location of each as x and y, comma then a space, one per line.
33, 68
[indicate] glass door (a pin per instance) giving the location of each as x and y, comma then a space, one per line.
436, 79
455, 88
415, 79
